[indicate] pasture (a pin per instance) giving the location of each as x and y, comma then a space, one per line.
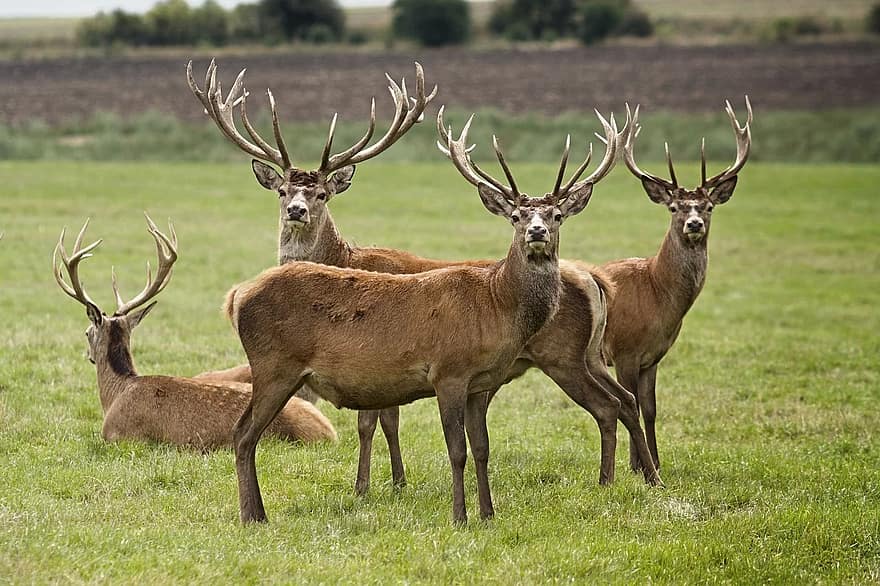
768, 404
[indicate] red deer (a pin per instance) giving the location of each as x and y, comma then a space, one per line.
453, 333
652, 295
306, 232
167, 409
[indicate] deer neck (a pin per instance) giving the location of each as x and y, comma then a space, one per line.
114, 365
679, 270
319, 243
529, 287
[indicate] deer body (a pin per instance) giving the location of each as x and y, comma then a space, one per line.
175, 410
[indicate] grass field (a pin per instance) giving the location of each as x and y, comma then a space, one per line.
768, 403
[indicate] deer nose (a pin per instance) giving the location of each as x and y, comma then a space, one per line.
296, 211
694, 224
537, 231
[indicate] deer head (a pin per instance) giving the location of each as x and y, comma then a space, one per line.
303, 194
691, 209
105, 330
536, 220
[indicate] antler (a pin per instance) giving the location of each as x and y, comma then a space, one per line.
611, 139
71, 263
633, 129
166, 250
743, 136
459, 152
221, 111
405, 116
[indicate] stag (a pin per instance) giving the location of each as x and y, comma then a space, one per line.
457, 331
568, 350
306, 230
654, 294
174, 410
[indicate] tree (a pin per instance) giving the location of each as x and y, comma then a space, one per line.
210, 23
598, 20
170, 23
104, 29
874, 19
295, 18
432, 22
534, 19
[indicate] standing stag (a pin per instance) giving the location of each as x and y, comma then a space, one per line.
568, 349
454, 332
173, 410
306, 230
652, 295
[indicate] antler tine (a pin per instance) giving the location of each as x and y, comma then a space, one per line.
221, 112
605, 165
743, 136
325, 155
276, 128
632, 122
703, 161
71, 264
444, 134
669, 162
504, 167
460, 155
562, 165
404, 118
166, 251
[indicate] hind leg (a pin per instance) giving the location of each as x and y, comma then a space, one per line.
266, 402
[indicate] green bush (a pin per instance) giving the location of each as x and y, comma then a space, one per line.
104, 30
210, 24
294, 18
634, 23
319, 34
873, 20
534, 19
786, 29
432, 22
170, 23
598, 20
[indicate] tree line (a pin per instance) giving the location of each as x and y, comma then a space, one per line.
429, 22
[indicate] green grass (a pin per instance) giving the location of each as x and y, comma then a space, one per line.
799, 136
768, 403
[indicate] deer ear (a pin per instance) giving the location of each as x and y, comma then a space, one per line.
577, 200
95, 315
341, 179
135, 318
723, 191
266, 175
656, 191
495, 201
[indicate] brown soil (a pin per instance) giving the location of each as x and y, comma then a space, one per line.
314, 85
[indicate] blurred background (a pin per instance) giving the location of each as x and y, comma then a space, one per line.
104, 79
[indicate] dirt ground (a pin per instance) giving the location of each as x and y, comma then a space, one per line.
314, 85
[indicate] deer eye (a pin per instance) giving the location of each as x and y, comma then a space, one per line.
281, 193
322, 196
558, 217
514, 218
709, 207
673, 208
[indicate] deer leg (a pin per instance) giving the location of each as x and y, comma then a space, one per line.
390, 420
628, 378
452, 399
640, 456
366, 429
584, 390
478, 436
648, 402
266, 402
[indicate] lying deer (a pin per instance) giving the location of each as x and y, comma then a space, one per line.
568, 350
299, 240
654, 294
173, 410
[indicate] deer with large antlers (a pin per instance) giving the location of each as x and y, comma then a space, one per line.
306, 230
457, 333
568, 349
172, 410
652, 295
